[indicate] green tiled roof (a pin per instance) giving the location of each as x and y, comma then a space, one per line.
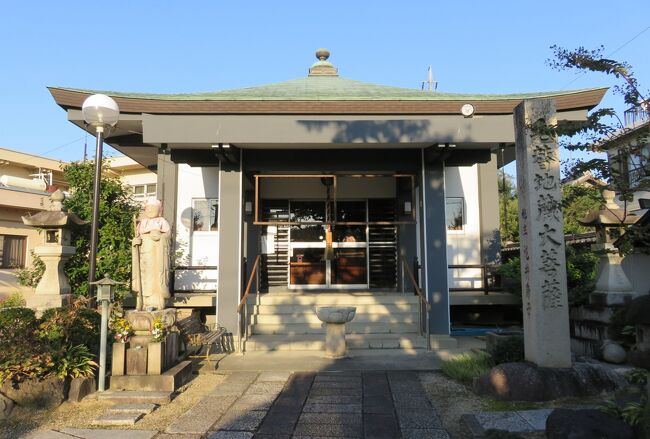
325, 88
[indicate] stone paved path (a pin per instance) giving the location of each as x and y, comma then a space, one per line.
329, 404
277, 405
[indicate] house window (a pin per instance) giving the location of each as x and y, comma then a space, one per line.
205, 232
143, 191
455, 213
12, 251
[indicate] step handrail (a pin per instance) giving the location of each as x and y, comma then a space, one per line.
242, 304
249, 284
423, 302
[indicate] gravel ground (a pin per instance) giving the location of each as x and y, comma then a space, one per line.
81, 415
452, 400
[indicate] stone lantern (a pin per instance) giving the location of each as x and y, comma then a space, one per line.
53, 290
612, 286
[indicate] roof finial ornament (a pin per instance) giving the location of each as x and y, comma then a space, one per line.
322, 54
323, 67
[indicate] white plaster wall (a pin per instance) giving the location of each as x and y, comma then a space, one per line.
195, 249
463, 246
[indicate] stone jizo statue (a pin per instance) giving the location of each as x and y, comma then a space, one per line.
150, 257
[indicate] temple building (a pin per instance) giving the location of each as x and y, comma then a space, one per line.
327, 190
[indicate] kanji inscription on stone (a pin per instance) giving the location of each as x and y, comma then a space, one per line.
543, 265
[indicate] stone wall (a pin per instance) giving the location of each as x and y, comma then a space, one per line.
588, 325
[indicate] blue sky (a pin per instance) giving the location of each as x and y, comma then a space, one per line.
188, 46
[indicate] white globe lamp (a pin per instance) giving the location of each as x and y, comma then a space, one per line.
100, 110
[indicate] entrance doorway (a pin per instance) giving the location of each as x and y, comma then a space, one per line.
341, 263
337, 232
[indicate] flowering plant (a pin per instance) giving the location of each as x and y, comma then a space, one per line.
158, 330
122, 329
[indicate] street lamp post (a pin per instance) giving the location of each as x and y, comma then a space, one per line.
100, 112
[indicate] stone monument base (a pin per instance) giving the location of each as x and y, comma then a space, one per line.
168, 381
528, 382
42, 302
611, 298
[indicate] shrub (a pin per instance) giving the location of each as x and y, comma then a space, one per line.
75, 362
637, 376
15, 300
621, 330
71, 326
581, 266
61, 343
29, 277
510, 272
508, 350
645, 422
23, 362
15, 322
581, 269
632, 413
467, 366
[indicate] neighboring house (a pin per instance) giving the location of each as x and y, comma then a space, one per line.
635, 135
26, 181
634, 167
254, 180
140, 180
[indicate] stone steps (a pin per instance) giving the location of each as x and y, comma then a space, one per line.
368, 308
310, 317
319, 328
117, 419
316, 342
334, 299
126, 412
288, 321
136, 397
133, 408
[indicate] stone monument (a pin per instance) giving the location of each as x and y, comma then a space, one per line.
612, 285
543, 265
53, 290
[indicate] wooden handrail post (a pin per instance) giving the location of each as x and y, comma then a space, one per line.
243, 304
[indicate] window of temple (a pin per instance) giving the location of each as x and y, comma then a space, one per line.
204, 231
455, 213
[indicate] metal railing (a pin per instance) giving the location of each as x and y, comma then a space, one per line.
424, 307
635, 116
491, 280
243, 305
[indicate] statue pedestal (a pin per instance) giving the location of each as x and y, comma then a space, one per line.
142, 324
53, 290
146, 364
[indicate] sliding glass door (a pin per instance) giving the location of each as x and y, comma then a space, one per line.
316, 264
